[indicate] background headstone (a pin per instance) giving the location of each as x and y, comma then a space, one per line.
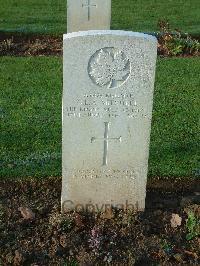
88, 15
107, 110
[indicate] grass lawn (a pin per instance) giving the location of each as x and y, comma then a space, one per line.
30, 117
49, 16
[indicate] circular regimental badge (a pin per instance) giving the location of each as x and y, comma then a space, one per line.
109, 68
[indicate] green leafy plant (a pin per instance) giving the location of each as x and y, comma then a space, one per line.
174, 42
167, 247
71, 263
193, 226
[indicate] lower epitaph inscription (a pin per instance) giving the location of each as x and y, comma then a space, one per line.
107, 109
105, 173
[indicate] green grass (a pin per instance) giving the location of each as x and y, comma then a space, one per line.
175, 139
30, 117
49, 16
33, 16
143, 15
30, 113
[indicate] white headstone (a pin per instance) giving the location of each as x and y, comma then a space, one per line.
88, 15
107, 110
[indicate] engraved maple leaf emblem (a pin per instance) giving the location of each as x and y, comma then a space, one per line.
109, 68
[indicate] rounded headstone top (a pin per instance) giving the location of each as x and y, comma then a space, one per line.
110, 32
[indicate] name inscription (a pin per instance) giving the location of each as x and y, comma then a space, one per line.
109, 104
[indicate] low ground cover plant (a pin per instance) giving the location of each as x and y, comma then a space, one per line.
174, 42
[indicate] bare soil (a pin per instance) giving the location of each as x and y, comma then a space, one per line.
30, 45
112, 238
13, 44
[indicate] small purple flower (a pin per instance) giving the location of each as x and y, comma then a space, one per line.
95, 239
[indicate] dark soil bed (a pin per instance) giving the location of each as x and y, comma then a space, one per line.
42, 236
44, 45
30, 45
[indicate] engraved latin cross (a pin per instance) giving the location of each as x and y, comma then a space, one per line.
88, 6
106, 139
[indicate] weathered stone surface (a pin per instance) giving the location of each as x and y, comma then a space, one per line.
88, 15
107, 110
